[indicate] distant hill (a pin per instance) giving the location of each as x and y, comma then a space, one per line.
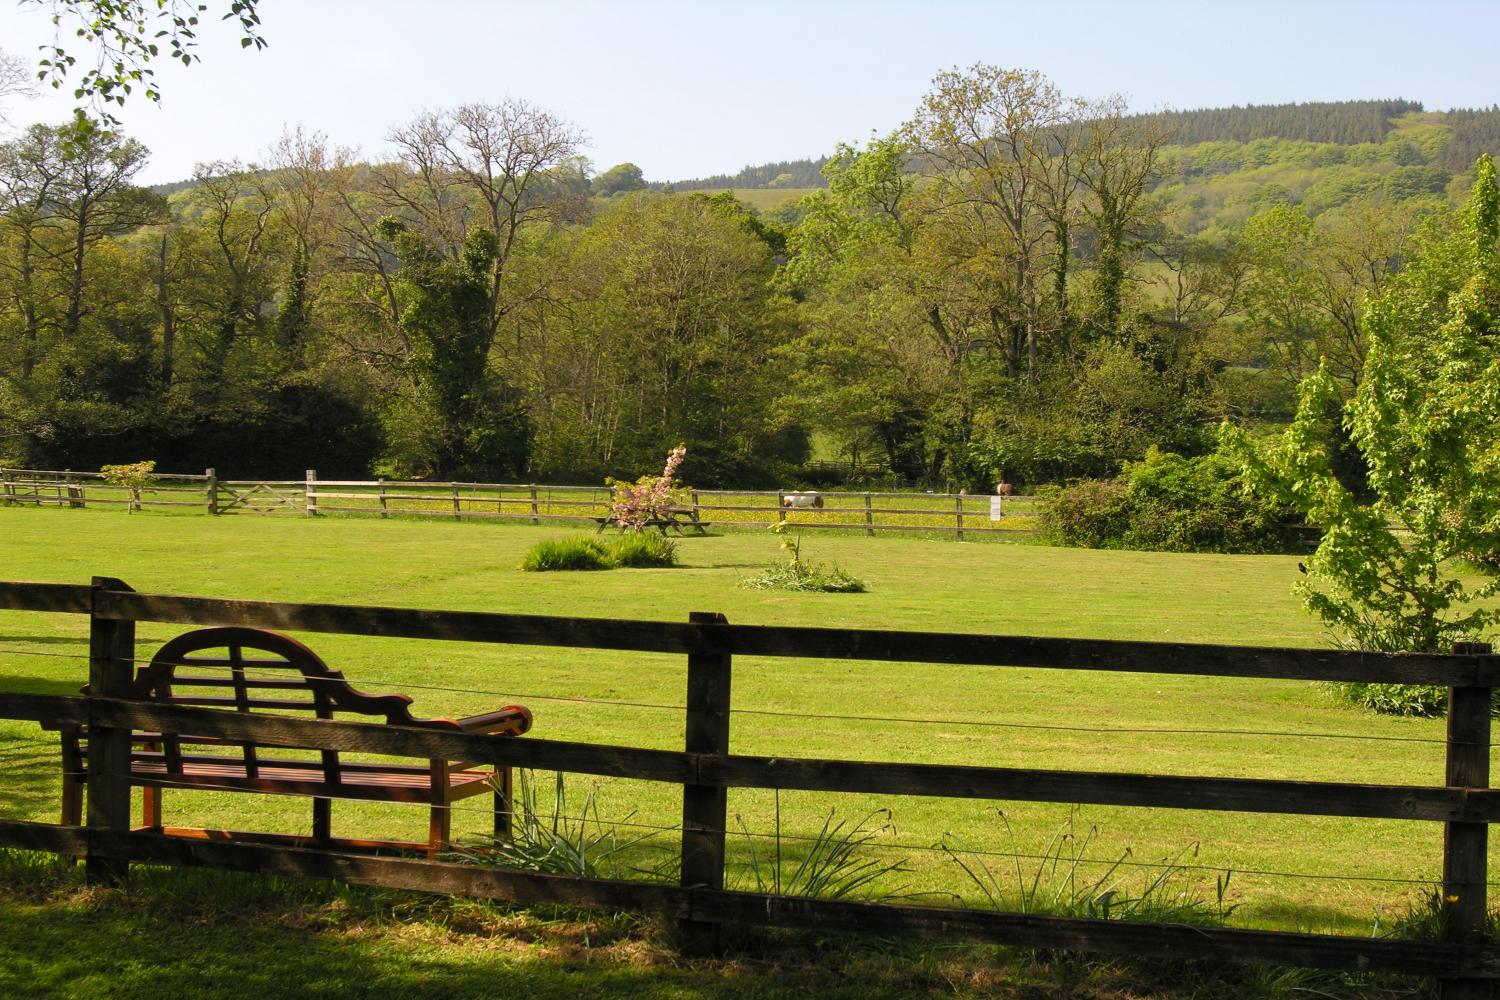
1466, 134
785, 174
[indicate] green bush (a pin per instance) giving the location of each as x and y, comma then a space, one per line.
1090, 514
574, 552
643, 550
1169, 503
632, 550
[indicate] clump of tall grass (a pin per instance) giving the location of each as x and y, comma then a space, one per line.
643, 550
632, 550
552, 841
831, 865
1063, 881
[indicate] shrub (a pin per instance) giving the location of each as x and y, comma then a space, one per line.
633, 550
643, 550
1169, 503
574, 552
1091, 514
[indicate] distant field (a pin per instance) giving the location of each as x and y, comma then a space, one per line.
1024, 717
762, 199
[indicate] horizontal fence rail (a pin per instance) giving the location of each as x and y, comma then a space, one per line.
1465, 960
960, 514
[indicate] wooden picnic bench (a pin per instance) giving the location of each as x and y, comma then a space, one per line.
676, 519
257, 670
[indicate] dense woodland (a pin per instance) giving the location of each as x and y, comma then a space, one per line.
1014, 282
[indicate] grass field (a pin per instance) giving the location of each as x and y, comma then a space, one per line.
922, 584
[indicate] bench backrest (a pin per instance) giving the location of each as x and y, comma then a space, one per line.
257, 670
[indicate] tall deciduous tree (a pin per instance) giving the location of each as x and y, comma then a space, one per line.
468, 413
986, 139
1387, 575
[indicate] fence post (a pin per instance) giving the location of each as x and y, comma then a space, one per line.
958, 514
9, 487
780, 506
211, 491
111, 669
310, 493
75, 493
533, 504
696, 512
869, 518
705, 807
1466, 845
458, 514
383, 511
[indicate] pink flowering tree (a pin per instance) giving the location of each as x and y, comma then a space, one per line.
649, 498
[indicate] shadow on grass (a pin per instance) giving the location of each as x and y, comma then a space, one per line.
218, 934
112, 946
30, 772
81, 642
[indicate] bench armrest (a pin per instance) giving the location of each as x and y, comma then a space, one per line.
512, 719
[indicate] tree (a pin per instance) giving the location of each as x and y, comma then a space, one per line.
15, 79
125, 37
1117, 166
1388, 574
95, 198
472, 421
986, 139
1308, 281
618, 179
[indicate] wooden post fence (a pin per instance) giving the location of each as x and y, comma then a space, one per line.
111, 669
310, 493
534, 520
1465, 961
705, 807
211, 491
1466, 845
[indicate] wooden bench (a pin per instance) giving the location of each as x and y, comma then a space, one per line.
256, 670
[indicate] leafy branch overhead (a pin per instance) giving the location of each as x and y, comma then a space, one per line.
124, 38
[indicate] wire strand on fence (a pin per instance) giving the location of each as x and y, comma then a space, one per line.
936, 849
826, 716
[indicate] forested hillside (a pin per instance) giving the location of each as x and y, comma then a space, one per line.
1013, 282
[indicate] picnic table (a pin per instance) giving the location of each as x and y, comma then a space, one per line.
673, 519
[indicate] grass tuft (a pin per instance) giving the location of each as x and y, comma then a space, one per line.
555, 842
643, 550
806, 578
1057, 882
576, 552
632, 550
831, 867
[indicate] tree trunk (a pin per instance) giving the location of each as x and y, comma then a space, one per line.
75, 291
168, 316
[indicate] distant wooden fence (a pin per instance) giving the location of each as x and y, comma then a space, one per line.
1465, 960
961, 514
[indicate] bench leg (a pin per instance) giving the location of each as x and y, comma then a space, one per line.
440, 822
439, 830
151, 808
504, 803
322, 819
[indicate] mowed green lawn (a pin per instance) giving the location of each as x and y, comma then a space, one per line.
629, 698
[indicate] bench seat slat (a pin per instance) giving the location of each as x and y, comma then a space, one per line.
388, 786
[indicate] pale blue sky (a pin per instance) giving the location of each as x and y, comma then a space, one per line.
688, 89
